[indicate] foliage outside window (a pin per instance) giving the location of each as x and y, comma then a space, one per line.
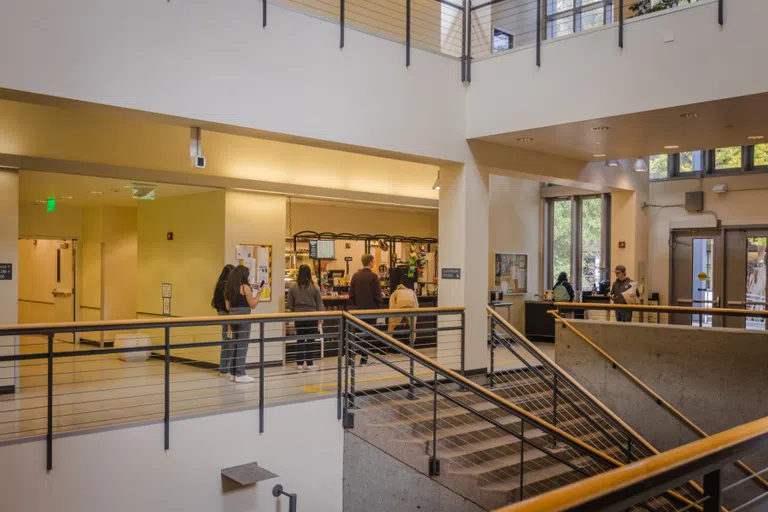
561, 239
568, 16
692, 161
761, 156
659, 168
502, 41
728, 158
591, 241
648, 6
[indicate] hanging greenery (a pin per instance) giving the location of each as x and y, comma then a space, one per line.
649, 6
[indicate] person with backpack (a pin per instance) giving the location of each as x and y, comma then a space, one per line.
563, 291
219, 303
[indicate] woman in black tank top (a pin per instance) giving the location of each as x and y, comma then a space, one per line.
240, 301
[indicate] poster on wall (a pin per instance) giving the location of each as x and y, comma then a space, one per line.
258, 259
511, 273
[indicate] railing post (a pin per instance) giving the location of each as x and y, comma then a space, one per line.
411, 343
629, 449
522, 458
493, 359
434, 463
713, 490
539, 23
462, 342
342, 323
407, 33
720, 15
341, 26
621, 23
49, 433
351, 364
348, 420
464, 42
167, 380
468, 21
261, 377
263, 13
554, 406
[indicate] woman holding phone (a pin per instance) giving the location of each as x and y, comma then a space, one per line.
241, 299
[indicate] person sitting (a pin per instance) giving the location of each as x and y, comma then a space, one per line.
403, 298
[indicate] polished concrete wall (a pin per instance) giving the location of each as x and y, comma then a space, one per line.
375, 481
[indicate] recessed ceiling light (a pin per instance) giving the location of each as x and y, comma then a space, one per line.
66, 197
756, 137
524, 139
671, 147
40, 201
601, 128
95, 192
599, 155
689, 115
612, 163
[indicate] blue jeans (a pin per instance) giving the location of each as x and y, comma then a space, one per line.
225, 349
233, 359
623, 316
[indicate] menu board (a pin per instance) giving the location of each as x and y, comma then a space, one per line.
322, 249
511, 272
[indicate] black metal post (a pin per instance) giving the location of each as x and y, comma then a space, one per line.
464, 41
720, 16
434, 463
263, 13
462, 343
629, 449
341, 25
261, 378
493, 359
407, 36
167, 413
539, 21
338, 369
49, 434
468, 20
411, 343
522, 458
351, 363
713, 489
621, 23
348, 419
292, 497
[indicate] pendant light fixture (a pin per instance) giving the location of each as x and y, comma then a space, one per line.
436, 184
640, 165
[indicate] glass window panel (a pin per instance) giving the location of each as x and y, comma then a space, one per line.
591, 18
559, 27
561, 240
701, 289
728, 158
501, 41
555, 6
591, 241
692, 161
755, 293
659, 168
761, 155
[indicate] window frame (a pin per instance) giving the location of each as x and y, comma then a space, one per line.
577, 255
709, 156
576, 13
494, 31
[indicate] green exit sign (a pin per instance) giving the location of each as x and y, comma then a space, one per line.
50, 205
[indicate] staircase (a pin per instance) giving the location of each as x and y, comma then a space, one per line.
512, 434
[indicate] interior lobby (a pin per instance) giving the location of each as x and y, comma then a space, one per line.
483, 154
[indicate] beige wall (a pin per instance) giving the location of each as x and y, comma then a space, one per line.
515, 227
744, 204
37, 279
120, 238
9, 235
35, 222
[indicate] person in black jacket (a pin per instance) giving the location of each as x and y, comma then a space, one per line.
563, 287
219, 303
365, 293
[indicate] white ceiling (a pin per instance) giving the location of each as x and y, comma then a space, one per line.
720, 123
39, 186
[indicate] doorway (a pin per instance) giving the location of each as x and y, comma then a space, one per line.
47, 277
746, 285
697, 275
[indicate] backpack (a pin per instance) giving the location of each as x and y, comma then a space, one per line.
561, 293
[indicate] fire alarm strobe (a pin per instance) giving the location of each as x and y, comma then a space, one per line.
199, 161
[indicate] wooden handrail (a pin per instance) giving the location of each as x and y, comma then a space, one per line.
724, 446
547, 427
530, 346
175, 321
662, 309
653, 394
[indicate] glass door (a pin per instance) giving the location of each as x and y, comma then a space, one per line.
696, 275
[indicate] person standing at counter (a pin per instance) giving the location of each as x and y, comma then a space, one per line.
240, 301
622, 285
403, 298
304, 297
563, 291
365, 292
219, 303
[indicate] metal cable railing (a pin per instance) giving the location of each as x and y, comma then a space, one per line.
160, 369
490, 449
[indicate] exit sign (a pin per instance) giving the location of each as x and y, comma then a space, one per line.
50, 205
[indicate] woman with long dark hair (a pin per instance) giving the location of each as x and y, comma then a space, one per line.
219, 303
304, 297
563, 291
240, 299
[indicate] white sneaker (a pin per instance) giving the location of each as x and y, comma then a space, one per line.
313, 368
300, 367
244, 379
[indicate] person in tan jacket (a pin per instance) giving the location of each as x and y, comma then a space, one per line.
403, 298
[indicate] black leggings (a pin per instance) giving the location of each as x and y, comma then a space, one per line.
306, 349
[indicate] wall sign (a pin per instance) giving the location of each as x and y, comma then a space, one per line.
6, 272
451, 273
167, 290
258, 259
166, 306
511, 272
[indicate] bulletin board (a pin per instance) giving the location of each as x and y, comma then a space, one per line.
258, 259
511, 273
